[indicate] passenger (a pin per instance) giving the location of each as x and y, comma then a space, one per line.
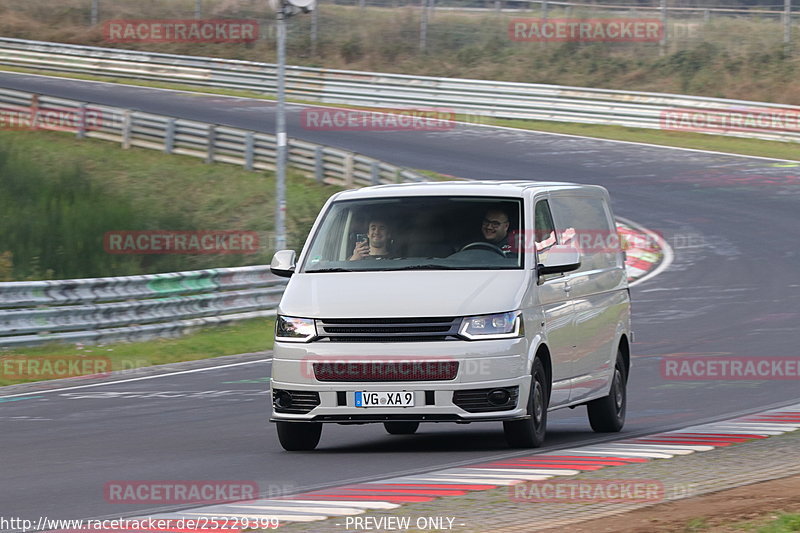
377, 244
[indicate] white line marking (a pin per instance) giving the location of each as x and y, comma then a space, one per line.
192, 371
632, 448
303, 508
668, 447
470, 481
611, 453
281, 517
349, 503
760, 425
537, 471
493, 475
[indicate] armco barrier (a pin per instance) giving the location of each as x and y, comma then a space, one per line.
133, 307
489, 98
211, 142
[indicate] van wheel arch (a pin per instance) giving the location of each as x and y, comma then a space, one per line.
543, 354
625, 349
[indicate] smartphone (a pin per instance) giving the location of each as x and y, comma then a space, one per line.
362, 237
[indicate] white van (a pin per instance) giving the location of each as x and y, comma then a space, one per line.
453, 302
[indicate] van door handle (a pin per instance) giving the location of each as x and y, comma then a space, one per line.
567, 288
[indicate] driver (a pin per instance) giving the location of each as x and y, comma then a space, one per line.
377, 244
495, 229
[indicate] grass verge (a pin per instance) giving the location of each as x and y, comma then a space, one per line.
773, 522
242, 337
160, 192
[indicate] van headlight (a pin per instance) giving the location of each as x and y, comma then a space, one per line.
498, 326
293, 329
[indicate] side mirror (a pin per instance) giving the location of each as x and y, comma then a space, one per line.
283, 263
558, 259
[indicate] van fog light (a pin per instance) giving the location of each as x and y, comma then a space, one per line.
281, 399
498, 397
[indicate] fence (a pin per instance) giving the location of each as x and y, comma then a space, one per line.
480, 98
684, 20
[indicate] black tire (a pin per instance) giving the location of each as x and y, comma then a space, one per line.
299, 436
530, 433
607, 414
401, 428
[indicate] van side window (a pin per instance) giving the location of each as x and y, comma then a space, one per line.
544, 229
584, 222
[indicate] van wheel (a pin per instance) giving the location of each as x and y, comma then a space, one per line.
299, 436
401, 428
607, 414
530, 433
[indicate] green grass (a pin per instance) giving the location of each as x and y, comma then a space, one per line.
242, 337
158, 192
774, 522
696, 525
784, 523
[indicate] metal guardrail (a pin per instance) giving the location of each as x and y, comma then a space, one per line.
487, 98
211, 142
133, 307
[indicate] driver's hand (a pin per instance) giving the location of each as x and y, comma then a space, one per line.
360, 251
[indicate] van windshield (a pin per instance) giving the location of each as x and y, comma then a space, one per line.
417, 233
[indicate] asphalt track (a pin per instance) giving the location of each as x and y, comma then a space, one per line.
732, 289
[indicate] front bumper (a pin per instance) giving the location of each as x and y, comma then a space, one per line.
483, 365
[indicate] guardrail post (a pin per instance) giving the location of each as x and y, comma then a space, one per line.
212, 141
423, 27
787, 24
127, 125
80, 132
376, 173
663, 43
348, 169
34, 111
398, 176
169, 137
315, 29
249, 150
319, 164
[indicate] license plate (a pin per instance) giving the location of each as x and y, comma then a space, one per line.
384, 399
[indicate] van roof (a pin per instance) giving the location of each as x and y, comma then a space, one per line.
513, 189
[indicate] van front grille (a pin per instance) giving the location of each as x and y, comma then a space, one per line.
386, 371
388, 329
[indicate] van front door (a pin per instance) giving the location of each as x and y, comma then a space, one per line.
558, 309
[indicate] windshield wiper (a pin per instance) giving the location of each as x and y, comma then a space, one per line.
335, 269
430, 267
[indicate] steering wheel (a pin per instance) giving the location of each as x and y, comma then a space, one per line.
483, 246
